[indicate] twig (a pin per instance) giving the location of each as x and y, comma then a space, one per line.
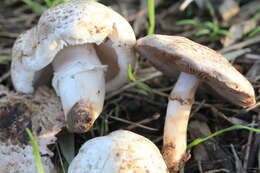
137, 97
137, 15
220, 114
198, 107
252, 107
239, 168
200, 166
144, 121
240, 45
248, 146
4, 76
160, 93
60, 158
217, 170
185, 4
132, 123
255, 148
9, 34
130, 85
252, 56
159, 139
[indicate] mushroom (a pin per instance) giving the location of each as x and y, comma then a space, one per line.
89, 46
121, 151
197, 64
18, 112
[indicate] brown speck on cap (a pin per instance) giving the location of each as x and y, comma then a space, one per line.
168, 53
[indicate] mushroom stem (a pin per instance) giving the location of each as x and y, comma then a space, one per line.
80, 82
177, 116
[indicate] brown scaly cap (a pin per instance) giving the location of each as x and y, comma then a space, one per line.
168, 53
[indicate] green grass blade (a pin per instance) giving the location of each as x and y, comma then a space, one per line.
37, 7
116, 111
5, 59
212, 12
194, 22
151, 13
235, 127
133, 79
56, 2
48, 3
223, 32
35, 151
130, 73
202, 32
254, 31
210, 25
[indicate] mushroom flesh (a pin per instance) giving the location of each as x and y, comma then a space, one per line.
119, 152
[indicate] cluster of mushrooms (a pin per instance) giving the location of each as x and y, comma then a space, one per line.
86, 47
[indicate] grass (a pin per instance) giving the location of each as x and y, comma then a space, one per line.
151, 13
40, 8
36, 152
5, 59
213, 30
217, 133
254, 31
143, 88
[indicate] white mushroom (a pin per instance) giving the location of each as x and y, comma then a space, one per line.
120, 152
18, 112
89, 46
197, 64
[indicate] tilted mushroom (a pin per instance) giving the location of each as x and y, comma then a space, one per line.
18, 112
88, 45
197, 64
119, 152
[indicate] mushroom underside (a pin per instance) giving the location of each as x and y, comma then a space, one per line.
168, 63
107, 55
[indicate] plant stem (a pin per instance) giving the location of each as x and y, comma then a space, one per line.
151, 12
35, 151
235, 127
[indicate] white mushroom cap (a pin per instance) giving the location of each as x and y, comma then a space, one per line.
74, 23
120, 152
22, 77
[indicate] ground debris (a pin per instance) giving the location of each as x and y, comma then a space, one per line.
40, 112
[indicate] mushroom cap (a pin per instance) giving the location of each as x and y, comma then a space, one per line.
120, 152
74, 23
168, 53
